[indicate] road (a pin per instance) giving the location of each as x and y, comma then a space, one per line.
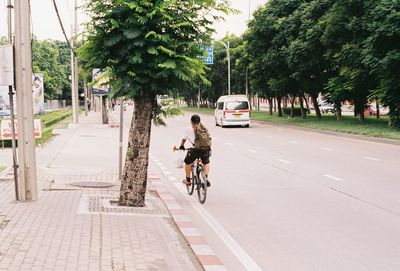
287, 199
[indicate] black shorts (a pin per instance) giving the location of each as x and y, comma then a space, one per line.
193, 154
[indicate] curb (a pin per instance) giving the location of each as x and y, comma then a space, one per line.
205, 255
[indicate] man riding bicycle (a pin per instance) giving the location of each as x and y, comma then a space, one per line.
200, 139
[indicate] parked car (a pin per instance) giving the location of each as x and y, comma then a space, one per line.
232, 110
371, 110
327, 108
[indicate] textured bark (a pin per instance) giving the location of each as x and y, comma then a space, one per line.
338, 107
378, 110
292, 99
270, 102
104, 112
278, 101
308, 107
316, 106
302, 109
134, 178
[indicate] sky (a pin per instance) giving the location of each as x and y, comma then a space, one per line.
45, 24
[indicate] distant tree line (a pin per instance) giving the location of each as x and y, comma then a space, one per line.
52, 59
346, 50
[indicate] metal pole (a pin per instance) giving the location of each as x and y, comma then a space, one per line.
74, 116
229, 69
121, 131
12, 116
23, 83
85, 91
76, 73
198, 98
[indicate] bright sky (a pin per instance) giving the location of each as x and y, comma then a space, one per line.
45, 24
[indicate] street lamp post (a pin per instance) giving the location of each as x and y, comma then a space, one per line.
228, 54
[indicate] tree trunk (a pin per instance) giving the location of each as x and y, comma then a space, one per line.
316, 106
275, 102
104, 112
338, 107
302, 109
270, 102
292, 106
308, 107
378, 110
134, 178
361, 116
278, 101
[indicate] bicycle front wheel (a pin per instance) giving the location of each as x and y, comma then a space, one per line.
202, 187
190, 188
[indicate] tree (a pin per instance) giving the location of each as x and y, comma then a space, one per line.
48, 58
152, 48
382, 54
345, 37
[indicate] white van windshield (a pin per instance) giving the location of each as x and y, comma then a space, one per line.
238, 105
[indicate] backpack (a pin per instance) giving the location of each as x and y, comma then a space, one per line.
202, 139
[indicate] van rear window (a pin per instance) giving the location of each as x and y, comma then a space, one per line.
240, 105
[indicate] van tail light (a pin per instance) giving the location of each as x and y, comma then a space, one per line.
228, 111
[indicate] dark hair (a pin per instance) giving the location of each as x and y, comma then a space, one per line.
195, 119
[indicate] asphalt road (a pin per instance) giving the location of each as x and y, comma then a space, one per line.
286, 199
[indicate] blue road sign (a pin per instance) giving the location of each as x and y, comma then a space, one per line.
209, 57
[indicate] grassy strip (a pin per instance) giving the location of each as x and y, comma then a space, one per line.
372, 127
50, 120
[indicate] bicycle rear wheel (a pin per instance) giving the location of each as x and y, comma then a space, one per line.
190, 188
202, 187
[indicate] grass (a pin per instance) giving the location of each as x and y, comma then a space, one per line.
50, 120
372, 127
2, 168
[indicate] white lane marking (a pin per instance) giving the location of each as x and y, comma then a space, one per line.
372, 158
326, 149
269, 137
294, 142
163, 168
332, 177
159, 164
172, 178
156, 160
250, 133
251, 150
167, 173
230, 144
284, 161
231, 243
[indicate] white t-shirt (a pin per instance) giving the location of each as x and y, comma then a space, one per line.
189, 135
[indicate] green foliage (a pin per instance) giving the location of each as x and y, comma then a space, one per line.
52, 59
151, 47
347, 50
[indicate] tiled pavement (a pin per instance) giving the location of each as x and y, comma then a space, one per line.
53, 234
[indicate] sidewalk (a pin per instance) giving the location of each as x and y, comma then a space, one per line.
73, 228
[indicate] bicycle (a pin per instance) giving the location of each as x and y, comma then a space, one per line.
199, 179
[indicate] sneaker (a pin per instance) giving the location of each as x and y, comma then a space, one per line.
188, 183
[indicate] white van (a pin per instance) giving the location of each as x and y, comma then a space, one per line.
232, 110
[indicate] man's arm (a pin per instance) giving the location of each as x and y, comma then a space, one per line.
182, 147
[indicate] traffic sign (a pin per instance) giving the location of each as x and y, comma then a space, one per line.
208, 56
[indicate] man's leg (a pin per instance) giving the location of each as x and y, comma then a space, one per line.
207, 169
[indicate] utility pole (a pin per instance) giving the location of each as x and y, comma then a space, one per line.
73, 92
85, 91
75, 73
23, 82
121, 137
228, 55
12, 116
247, 68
